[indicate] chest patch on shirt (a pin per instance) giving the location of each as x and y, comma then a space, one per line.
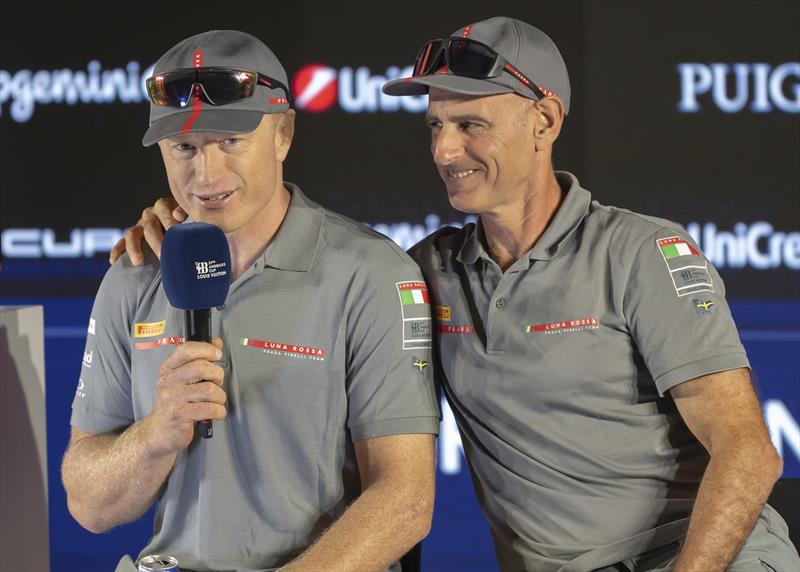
284, 349
169, 341
564, 326
441, 313
415, 309
450, 329
148, 329
687, 267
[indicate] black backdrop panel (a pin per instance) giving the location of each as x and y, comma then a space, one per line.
732, 177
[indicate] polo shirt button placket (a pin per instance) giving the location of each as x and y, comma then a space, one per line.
494, 331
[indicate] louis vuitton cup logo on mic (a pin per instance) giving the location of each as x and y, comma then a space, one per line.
210, 269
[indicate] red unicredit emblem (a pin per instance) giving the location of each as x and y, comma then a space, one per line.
315, 87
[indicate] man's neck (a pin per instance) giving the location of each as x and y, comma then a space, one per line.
247, 243
515, 228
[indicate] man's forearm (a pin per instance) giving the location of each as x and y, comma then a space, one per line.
113, 479
733, 491
376, 530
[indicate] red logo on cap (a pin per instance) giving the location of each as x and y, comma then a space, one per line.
197, 105
315, 87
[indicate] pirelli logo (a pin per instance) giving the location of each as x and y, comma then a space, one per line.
148, 329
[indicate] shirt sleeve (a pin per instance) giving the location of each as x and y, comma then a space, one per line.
674, 304
102, 400
390, 385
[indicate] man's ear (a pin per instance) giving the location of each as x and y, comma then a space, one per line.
548, 117
284, 133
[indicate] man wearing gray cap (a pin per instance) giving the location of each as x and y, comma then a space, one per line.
319, 367
588, 353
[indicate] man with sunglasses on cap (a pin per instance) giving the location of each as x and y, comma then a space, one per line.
587, 352
324, 459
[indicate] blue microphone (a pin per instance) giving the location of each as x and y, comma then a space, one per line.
196, 274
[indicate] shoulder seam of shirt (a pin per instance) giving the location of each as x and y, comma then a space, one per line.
369, 234
646, 219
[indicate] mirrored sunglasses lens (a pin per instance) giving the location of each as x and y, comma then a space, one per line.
470, 59
179, 90
227, 87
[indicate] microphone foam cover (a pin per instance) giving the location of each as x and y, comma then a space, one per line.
195, 266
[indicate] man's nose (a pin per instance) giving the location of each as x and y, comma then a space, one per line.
210, 165
447, 146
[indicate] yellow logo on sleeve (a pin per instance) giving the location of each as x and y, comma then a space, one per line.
441, 313
421, 364
148, 329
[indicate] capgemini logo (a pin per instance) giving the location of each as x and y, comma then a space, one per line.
26, 88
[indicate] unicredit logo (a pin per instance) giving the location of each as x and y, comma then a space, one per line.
317, 88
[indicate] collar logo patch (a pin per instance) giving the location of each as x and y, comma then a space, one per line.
420, 365
285, 349
564, 326
441, 313
148, 329
702, 306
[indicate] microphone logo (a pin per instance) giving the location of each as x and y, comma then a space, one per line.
210, 269
202, 268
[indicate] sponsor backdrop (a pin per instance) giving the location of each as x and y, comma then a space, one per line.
685, 111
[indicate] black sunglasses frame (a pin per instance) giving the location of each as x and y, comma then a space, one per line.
436, 54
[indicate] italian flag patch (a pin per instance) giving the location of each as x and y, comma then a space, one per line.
675, 246
413, 293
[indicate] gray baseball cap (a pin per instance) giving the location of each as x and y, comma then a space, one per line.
220, 49
526, 48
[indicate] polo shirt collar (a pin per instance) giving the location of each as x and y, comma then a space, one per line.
294, 245
472, 249
556, 237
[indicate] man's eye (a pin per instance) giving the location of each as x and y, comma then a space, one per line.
231, 140
469, 126
434, 124
183, 147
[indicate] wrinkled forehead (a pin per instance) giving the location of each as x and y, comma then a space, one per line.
443, 101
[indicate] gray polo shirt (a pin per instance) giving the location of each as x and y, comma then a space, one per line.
326, 341
557, 372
